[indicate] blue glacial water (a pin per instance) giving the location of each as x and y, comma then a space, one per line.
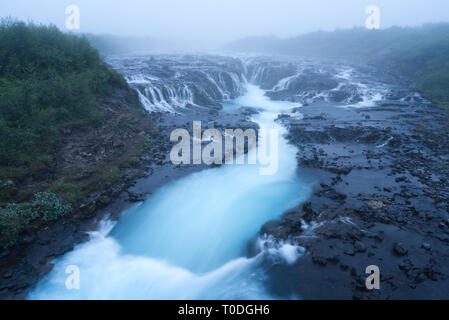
189, 240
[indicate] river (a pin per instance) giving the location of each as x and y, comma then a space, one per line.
190, 239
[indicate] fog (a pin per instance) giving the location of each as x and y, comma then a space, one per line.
209, 23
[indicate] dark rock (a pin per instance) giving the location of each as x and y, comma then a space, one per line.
134, 197
104, 200
319, 260
7, 274
359, 246
10, 183
88, 209
379, 237
4, 253
399, 249
349, 252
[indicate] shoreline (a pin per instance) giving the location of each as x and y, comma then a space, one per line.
24, 265
378, 200
371, 205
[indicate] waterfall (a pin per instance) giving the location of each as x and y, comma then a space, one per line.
173, 83
189, 240
290, 81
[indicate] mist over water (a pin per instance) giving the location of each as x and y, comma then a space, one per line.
373, 137
200, 24
189, 240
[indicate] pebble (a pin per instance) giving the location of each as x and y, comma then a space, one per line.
359, 246
399, 249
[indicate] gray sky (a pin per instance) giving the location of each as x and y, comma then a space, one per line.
218, 21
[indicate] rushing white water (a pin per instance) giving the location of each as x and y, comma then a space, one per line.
171, 84
189, 240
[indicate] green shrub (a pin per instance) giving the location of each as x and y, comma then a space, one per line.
14, 218
49, 206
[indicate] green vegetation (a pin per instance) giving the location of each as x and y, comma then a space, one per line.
418, 54
47, 79
51, 83
14, 218
75, 190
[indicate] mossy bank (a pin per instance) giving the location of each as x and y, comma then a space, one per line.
70, 128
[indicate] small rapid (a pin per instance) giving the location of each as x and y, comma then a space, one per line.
190, 239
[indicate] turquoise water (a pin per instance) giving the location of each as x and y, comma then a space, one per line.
189, 240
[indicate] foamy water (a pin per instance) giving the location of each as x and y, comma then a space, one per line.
189, 240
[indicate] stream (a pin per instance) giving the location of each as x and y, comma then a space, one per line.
190, 239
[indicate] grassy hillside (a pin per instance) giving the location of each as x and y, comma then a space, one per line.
58, 100
420, 55
47, 78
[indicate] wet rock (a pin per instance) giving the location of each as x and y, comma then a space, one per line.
4, 253
29, 238
349, 251
375, 204
341, 170
399, 249
7, 274
344, 266
104, 200
319, 260
135, 197
308, 213
10, 183
87, 209
359, 246
249, 111
25, 276
360, 284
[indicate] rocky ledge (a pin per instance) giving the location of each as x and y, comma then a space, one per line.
23, 265
380, 197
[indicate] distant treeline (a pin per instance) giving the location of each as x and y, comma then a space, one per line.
418, 54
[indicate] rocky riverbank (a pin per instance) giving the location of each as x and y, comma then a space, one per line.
381, 187
376, 153
23, 265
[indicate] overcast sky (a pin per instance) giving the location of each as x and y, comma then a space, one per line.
219, 21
